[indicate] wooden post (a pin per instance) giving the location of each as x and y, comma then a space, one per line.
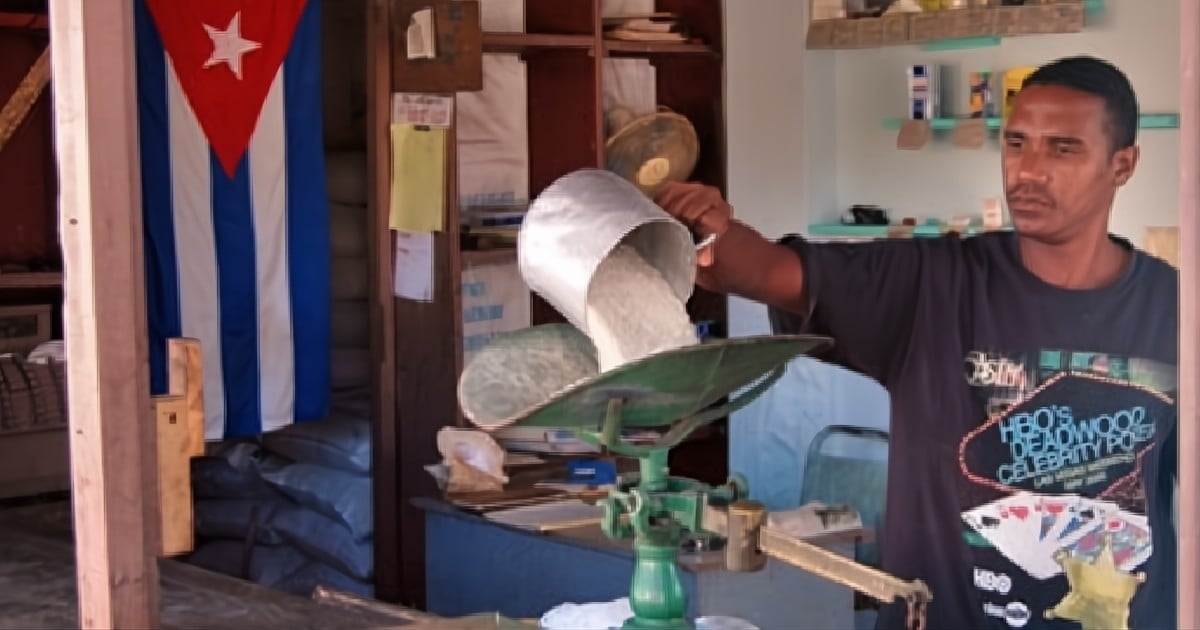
385, 471
1189, 315
113, 446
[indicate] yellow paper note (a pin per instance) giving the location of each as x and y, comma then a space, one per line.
418, 178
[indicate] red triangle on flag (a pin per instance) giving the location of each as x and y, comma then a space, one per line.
226, 54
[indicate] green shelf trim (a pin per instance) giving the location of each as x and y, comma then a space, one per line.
881, 231
965, 43
1145, 121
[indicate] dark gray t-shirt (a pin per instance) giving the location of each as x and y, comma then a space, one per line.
1033, 445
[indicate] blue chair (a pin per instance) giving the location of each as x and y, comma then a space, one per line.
852, 473
855, 475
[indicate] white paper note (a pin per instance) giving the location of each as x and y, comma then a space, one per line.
414, 266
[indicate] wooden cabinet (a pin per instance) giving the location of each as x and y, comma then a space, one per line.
419, 344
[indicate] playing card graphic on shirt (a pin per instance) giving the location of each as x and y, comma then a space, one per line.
1031, 529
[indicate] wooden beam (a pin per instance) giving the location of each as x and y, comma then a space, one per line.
23, 98
113, 445
180, 428
30, 21
1188, 425
385, 470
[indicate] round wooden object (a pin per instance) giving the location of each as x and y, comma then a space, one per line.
652, 150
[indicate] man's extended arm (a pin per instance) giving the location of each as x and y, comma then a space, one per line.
745, 263
741, 261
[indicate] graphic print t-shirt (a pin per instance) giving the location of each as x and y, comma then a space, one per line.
1033, 442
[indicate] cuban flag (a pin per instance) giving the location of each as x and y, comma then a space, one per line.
235, 209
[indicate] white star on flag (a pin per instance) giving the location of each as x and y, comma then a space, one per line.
229, 45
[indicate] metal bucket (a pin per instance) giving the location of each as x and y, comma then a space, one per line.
577, 222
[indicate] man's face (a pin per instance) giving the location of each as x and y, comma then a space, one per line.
1060, 170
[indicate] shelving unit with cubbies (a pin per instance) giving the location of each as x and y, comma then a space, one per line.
563, 47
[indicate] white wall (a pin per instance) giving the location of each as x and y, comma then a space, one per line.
782, 160
1141, 37
773, 123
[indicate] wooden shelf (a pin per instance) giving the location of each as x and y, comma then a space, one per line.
1145, 121
37, 280
952, 29
525, 42
964, 43
625, 47
839, 230
478, 257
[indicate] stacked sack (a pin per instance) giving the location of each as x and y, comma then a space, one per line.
291, 511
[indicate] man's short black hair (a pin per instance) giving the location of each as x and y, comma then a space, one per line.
1098, 78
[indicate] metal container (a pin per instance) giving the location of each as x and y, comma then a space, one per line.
578, 220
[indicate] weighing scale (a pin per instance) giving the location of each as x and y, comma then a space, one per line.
547, 376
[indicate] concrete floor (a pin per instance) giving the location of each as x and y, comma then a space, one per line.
37, 585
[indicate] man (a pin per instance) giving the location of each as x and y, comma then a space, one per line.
1026, 487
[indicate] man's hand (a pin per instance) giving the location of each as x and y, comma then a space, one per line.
701, 209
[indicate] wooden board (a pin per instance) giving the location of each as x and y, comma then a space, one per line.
185, 378
429, 337
174, 475
458, 66
1188, 494
568, 17
180, 435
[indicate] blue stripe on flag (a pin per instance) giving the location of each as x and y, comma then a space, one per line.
309, 250
233, 226
158, 228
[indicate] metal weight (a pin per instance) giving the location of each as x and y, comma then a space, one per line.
742, 550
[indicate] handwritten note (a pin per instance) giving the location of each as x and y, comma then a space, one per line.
414, 266
418, 178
